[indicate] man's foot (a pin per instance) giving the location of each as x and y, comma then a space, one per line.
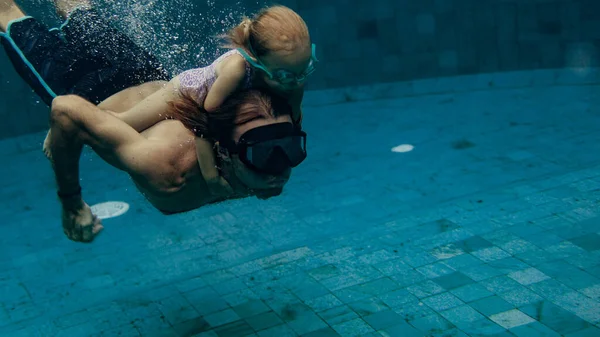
65, 7
80, 224
46, 146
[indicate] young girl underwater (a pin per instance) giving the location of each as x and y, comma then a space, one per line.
271, 51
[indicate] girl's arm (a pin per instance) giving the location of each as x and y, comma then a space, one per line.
152, 109
205, 153
230, 76
295, 101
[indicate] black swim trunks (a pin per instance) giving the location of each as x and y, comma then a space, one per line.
86, 56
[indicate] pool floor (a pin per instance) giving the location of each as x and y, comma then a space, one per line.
490, 226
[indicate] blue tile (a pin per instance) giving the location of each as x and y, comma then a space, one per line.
251, 308
491, 305
397, 298
483, 327
382, 319
435, 270
222, 318
338, 315
520, 296
568, 274
481, 272
327, 332
550, 288
324, 302
354, 327
463, 261
407, 278
442, 301
555, 317
473, 244
500, 284
413, 310
508, 265
452, 281
425, 289
205, 301
431, 324
368, 306
589, 332
277, 331
191, 327
535, 329
264, 321
307, 323
462, 316
471, 292
402, 329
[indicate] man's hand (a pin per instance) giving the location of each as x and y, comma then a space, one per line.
79, 224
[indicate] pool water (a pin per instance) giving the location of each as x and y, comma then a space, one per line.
487, 225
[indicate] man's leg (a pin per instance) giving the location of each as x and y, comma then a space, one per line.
9, 11
76, 122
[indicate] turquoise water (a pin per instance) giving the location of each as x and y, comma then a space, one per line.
489, 225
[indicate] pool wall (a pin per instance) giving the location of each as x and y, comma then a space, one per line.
361, 43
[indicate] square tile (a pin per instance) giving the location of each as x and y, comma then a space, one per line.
528, 276
471, 292
338, 315
535, 329
435, 270
520, 296
352, 328
473, 244
264, 321
382, 319
397, 298
592, 292
324, 302
589, 242
233, 329
589, 332
511, 319
251, 308
442, 301
454, 280
481, 272
463, 261
462, 316
491, 305
554, 317
490, 254
368, 306
414, 310
401, 329
306, 323
549, 289
425, 289
431, 324
485, 327
326, 332
221, 318
499, 284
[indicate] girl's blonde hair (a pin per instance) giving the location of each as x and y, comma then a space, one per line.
272, 29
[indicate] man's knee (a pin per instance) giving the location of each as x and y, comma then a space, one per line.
63, 110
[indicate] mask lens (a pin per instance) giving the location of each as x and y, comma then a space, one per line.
291, 149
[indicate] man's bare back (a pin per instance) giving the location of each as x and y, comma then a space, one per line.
183, 189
